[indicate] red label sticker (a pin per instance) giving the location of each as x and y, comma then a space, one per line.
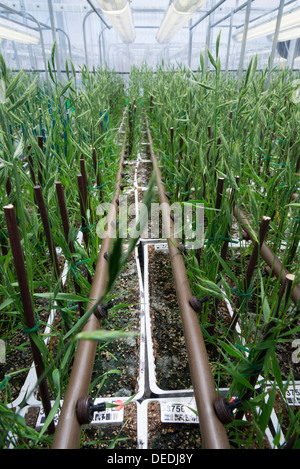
120, 406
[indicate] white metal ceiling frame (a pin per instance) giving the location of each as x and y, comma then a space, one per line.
39, 28
101, 34
191, 27
247, 22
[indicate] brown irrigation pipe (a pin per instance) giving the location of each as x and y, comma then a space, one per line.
213, 433
267, 254
68, 430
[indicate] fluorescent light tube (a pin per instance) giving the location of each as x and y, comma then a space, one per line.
289, 34
13, 32
176, 16
119, 14
112, 5
288, 20
190, 6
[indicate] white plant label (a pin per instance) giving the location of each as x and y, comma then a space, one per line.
293, 395
179, 410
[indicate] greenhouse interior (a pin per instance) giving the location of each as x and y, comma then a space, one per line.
150, 226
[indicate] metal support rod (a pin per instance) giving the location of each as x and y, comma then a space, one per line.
292, 53
68, 39
267, 254
208, 39
228, 16
17, 252
53, 28
68, 430
207, 14
213, 432
229, 42
275, 40
84, 30
98, 14
84, 38
244, 41
253, 20
100, 49
190, 45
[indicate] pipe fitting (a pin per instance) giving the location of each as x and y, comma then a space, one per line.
224, 409
85, 409
101, 312
196, 304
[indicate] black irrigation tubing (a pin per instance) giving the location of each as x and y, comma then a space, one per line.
213, 432
68, 429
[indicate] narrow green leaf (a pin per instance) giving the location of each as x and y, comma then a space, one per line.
53, 55
65, 88
218, 43
212, 60
52, 413
104, 335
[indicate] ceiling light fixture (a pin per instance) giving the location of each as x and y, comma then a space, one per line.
289, 34
119, 14
13, 32
288, 21
176, 16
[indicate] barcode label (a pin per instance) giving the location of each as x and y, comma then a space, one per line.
109, 415
165, 247
293, 395
161, 247
42, 418
179, 411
